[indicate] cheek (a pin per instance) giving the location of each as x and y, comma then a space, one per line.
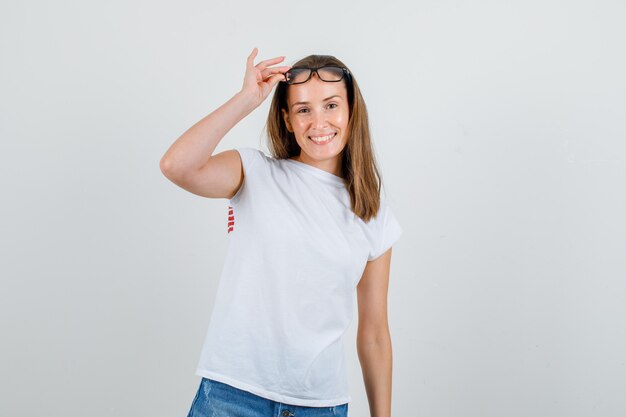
343, 119
298, 127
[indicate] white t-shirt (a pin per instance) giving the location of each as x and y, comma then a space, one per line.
296, 252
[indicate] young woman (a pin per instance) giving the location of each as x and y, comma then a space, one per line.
307, 229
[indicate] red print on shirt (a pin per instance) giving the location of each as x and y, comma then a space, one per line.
231, 219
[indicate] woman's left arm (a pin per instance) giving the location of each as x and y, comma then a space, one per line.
373, 338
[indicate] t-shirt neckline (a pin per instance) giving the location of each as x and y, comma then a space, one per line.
318, 172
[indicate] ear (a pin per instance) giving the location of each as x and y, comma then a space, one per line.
286, 118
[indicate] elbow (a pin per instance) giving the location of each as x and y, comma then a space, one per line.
165, 165
169, 169
378, 334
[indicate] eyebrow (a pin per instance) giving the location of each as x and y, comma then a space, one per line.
306, 102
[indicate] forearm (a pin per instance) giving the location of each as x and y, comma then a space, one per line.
196, 145
375, 356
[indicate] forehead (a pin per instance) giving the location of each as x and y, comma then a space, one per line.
315, 90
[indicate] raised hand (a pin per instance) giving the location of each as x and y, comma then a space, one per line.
260, 78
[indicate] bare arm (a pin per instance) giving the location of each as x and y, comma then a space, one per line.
192, 150
190, 163
373, 338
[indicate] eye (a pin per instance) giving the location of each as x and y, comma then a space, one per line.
300, 110
333, 104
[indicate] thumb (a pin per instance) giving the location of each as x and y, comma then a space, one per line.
275, 79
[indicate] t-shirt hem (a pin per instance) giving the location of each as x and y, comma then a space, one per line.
285, 399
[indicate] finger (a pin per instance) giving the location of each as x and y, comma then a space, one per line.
284, 68
250, 60
274, 70
267, 75
276, 79
264, 64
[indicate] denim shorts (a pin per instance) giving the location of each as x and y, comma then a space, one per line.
216, 399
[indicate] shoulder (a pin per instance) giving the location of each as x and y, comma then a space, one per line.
253, 157
384, 230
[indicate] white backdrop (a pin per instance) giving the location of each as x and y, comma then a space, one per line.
499, 128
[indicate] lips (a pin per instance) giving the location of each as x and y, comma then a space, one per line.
323, 139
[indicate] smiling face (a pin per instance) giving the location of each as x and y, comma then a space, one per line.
318, 117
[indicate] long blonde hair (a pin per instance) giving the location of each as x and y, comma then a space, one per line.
359, 169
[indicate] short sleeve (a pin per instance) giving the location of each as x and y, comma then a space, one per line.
387, 231
249, 157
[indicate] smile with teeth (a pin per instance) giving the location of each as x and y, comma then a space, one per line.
322, 140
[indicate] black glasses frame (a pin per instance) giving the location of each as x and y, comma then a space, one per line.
346, 74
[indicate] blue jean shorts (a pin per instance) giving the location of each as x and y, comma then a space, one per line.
216, 399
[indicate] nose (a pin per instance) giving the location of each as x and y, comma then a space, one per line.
320, 120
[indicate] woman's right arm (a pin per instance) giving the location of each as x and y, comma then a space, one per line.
190, 163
